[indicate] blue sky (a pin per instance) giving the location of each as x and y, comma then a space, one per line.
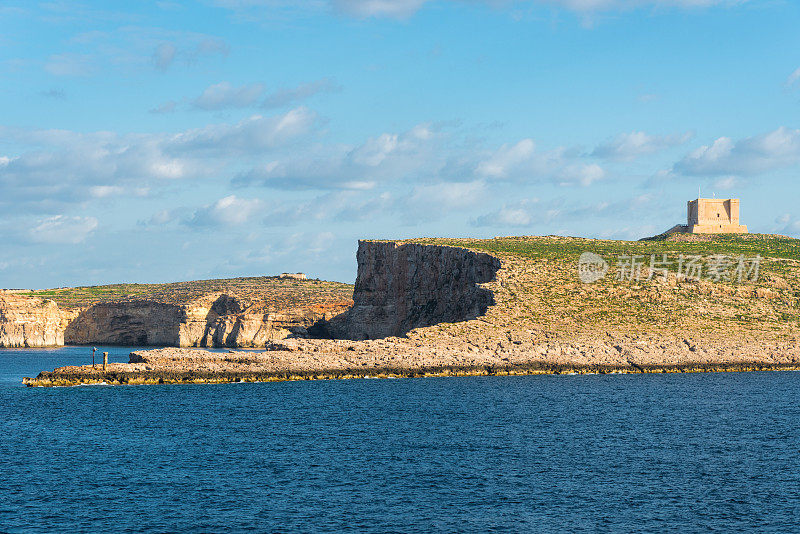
161, 141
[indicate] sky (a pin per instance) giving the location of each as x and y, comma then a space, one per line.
157, 141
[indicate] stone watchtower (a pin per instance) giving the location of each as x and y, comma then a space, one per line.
714, 216
711, 216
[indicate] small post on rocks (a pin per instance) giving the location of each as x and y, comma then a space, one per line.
94, 349
105, 360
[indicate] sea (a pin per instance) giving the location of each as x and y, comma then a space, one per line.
585, 453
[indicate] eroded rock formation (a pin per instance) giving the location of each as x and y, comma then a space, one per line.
137, 322
215, 320
29, 322
227, 321
402, 286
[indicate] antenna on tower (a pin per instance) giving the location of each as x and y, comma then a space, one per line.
698, 191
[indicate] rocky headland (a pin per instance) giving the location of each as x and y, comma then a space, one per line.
432, 307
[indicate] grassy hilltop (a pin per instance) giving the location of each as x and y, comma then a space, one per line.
539, 289
270, 290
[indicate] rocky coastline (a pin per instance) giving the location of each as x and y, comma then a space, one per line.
325, 359
234, 313
512, 306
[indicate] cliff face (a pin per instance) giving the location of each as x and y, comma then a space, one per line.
139, 322
29, 322
402, 286
216, 320
226, 321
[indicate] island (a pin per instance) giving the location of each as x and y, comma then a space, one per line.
678, 302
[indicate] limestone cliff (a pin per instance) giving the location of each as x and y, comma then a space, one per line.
138, 322
29, 322
216, 320
246, 312
227, 321
402, 286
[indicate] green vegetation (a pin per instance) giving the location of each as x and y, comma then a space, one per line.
273, 290
570, 248
539, 287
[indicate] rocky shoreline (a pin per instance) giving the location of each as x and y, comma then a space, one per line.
402, 358
112, 378
512, 306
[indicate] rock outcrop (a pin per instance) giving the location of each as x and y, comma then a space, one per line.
216, 320
402, 286
255, 312
137, 322
29, 322
227, 321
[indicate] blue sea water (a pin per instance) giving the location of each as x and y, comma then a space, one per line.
685, 453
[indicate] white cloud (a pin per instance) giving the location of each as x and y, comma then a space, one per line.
186, 47
63, 230
447, 195
521, 162
647, 98
728, 182
224, 95
749, 156
54, 93
379, 8
403, 9
248, 135
228, 211
423, 154
628, 146
387, 157
533, 211
167, 107
58, 167
793, 78
580, 174
103, 191
787, 224
69, 65
291, 96
164, 55
131, 47
519, 214
506, 159
162, 217
583, 6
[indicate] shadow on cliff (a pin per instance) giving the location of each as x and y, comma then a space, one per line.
223, 323
402, 286
131, 323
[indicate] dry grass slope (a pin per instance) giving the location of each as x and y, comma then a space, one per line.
538, 288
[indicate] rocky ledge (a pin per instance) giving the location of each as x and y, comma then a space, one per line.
304, 359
